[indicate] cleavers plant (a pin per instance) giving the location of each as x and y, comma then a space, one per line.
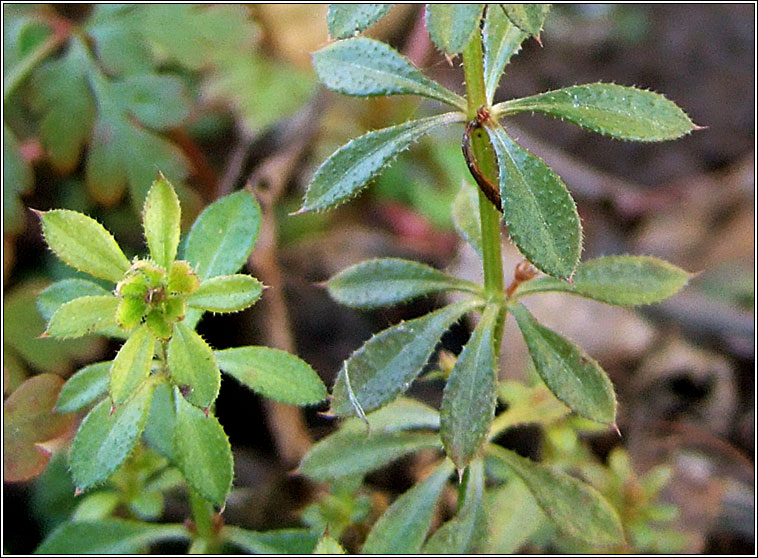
541, 220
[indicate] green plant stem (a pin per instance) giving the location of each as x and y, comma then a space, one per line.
202, 515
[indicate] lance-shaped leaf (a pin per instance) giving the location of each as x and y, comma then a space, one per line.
192, 365
108, 536
575, 507
451, 25
386, 281
466, 532
160, 429
328, 545
226, 293
366, 67
84, 388
386, 364
356, 453
203, 453
84, 244
502, 40
618, 280
527, 17
132, 364
465, 213
468, 402
351, 167
345, 20
105, 439
404, 526
540, 213
61, 292
273, 373
621, 112
279, 541
161, 218
83, 315
574, 377
402, 414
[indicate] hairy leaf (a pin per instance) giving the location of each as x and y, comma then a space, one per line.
273, 373
61, 292
625, 113
280, 541
346, 20
540, 213
403, 413
132, 364
575, 507
83, 315
386, 281
451, 25
191, 364
386, 364
366, 67
573, 376
161, 217
527, 17
502, 40
160, 429
226, 293
328, 545
466, 216
354, 164
619, 280
84, 388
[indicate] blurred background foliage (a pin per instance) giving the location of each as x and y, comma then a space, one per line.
98, 98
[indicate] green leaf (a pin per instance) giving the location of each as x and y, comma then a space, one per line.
157, 101
351, 453
465, 213
182, 278
514, 518
132, 364
83, 315
18, 179
84, 388
227, 293
527, 17
346, 20
366, 67
468, 402
502, 40
465, 533
280, 541
106, 438
191, 363
386, 281
404, 526
621, 112
575, 507
203, 453
328, 545
97, 505
403, 413
387, 363
121, 49
619, 280
84, 244
451, 25
273, 373
161, 421
61, 292
540, 213
161, 218
353, 165
573, 376
108, 536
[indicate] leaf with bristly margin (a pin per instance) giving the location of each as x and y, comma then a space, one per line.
403, 413
353, 165
279, 541
108, 536
514, 517
365, 67
84, 388
502, 40
468, 402
61, 292
538, 209
132, 364
28, 422
83, 315
450, 26
161, 216
387, 363
404, 526
574, 377
352, 453
465, 213
575, 507
160, 428
18, 179
528, 17
84, 244
226, 293
386, 281
273, 373
625, 113
618, 280
328, 545
106, 438
203, 453
467, 531
346, 20
191, 364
